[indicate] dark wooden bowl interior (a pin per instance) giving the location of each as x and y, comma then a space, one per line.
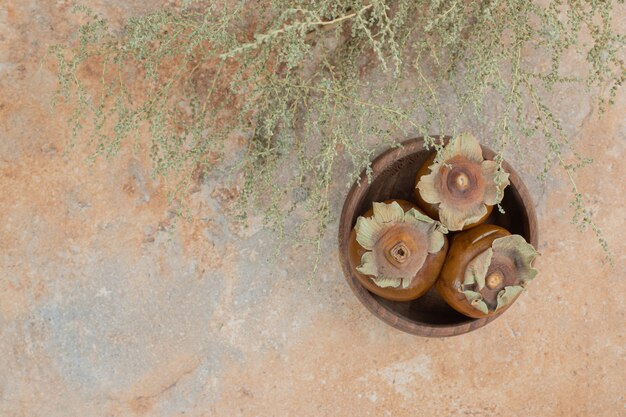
393, 176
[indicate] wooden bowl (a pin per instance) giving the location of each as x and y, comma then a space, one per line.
393, 177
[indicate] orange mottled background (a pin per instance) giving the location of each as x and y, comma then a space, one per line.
108, 308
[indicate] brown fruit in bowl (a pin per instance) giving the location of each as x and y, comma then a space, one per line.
485, 271
459, 190
396, 251
432, 210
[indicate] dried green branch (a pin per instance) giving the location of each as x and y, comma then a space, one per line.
308, 87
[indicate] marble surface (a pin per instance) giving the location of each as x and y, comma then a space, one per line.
108, 308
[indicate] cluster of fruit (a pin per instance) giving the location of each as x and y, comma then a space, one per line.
399, 250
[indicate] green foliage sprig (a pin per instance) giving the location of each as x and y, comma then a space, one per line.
313, 87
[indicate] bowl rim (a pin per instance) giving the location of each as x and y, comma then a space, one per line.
357, 193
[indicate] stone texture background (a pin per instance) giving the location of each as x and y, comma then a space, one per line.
107, 309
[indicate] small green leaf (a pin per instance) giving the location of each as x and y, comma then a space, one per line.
388, 213
436, 241
472, 295
490, 171
476, 270
368, 264
476, 300
384, 282
368, 231
507, 295
480, 306
426, 186
465, 145
414, 216
455, 219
